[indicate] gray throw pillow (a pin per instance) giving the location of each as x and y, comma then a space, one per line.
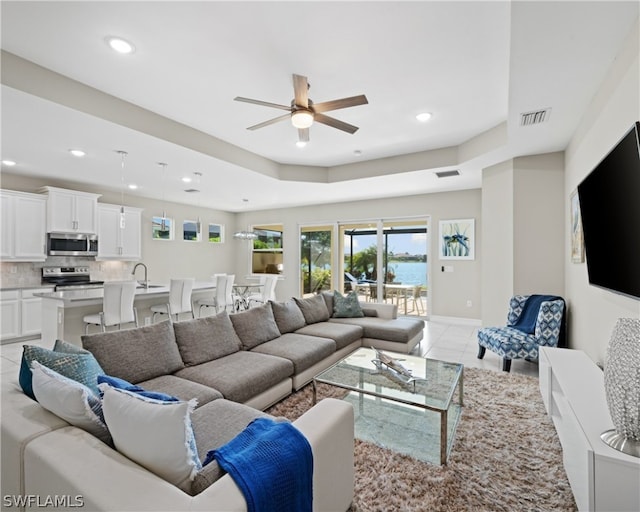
206, 339
288, 316
346, 307
314, 309
255, 326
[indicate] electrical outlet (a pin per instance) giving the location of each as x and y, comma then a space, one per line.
469, 304
147, 320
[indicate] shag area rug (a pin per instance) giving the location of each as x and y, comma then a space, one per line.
506, 455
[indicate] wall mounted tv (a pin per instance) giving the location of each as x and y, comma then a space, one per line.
610, 210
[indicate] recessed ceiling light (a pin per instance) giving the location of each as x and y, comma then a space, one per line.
120, 45
133, 186
8, 163
187, 179
301, 143
423, 117
77, 152
357, 152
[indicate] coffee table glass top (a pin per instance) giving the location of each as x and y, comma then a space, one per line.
433, 388
416, 416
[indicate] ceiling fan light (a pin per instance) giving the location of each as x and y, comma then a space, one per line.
302, 119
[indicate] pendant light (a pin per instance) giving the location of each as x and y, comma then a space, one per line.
122, 154
163, 226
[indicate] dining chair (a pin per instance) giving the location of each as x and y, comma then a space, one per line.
416, 297
179, 299
267, 290
117, 306
219, 296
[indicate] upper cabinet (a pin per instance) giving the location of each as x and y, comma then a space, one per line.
115, 241
69, 211
23, 236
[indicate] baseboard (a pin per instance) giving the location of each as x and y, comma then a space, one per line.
476, 322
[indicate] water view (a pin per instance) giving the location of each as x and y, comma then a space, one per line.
409, 272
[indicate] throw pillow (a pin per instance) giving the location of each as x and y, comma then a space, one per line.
154, 433
313, 308
79, 365
346, 307
206, 339
115, 382
255, 326
288, 316
73, 402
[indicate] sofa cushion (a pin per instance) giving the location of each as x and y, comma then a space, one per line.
341, 334
157, 435
240, 376
66, 359
288, 316
346, 306
204, 339
136, 354
313, 308
303, 351
182, 388
214, 425
255, 326
400, 330
69, 400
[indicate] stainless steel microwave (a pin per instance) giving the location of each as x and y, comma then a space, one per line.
72, 244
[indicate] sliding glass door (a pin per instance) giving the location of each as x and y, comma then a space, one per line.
316, 259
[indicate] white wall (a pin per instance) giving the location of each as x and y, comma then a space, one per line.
449, 291
593, 311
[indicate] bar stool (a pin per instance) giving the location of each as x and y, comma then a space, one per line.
179, 299
117, 306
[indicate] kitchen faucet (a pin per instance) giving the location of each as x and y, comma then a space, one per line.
144, 283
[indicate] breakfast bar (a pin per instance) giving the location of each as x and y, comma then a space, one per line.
63, 311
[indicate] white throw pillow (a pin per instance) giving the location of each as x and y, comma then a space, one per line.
70, 400
154, 433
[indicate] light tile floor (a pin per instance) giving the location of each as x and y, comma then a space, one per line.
442, 340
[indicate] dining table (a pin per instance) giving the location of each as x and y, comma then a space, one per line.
243, 291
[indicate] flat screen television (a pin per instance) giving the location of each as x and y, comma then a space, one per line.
610, 212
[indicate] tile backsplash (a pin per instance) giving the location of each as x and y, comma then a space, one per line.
21, 274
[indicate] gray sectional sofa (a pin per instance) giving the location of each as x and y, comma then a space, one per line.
235, 366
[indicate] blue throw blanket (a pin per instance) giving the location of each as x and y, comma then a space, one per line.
526, 322
272, 463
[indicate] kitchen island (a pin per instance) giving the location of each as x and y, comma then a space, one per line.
63, 311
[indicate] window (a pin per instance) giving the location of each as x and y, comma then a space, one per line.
267, 253
191, 231
216, 232
316, 258
161, 228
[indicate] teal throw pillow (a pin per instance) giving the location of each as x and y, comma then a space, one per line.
66, 359
346, 306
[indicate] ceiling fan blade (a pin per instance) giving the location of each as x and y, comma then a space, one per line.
353, 101
335, 123
303, 134
301, 90
270, 121
263, 103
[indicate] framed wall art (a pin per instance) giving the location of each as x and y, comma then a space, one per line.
577, 238
457, 239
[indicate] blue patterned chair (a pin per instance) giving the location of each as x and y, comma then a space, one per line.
518, 341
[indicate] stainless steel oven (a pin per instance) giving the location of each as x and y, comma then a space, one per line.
72, 244
67, 278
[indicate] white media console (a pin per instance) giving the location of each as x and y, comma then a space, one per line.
572, 386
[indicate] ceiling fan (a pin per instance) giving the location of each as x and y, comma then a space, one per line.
303, 112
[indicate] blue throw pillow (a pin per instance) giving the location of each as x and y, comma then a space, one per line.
116, 382
66, 359
346, 306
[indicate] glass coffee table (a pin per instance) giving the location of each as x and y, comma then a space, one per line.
412, 413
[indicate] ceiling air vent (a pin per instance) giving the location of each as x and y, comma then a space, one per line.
191, 190
447, 174
534, 117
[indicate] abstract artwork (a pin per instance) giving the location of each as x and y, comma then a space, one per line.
457, 239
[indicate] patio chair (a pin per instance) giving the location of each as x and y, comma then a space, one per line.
533, 321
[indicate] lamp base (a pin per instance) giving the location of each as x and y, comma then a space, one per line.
621, 443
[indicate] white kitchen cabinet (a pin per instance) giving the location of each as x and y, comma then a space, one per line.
21, 313
70, 211
23, 226
115, 242
572, 387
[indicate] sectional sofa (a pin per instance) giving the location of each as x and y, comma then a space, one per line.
235, 366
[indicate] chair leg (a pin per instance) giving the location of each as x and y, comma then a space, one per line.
481, 351
506, 364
